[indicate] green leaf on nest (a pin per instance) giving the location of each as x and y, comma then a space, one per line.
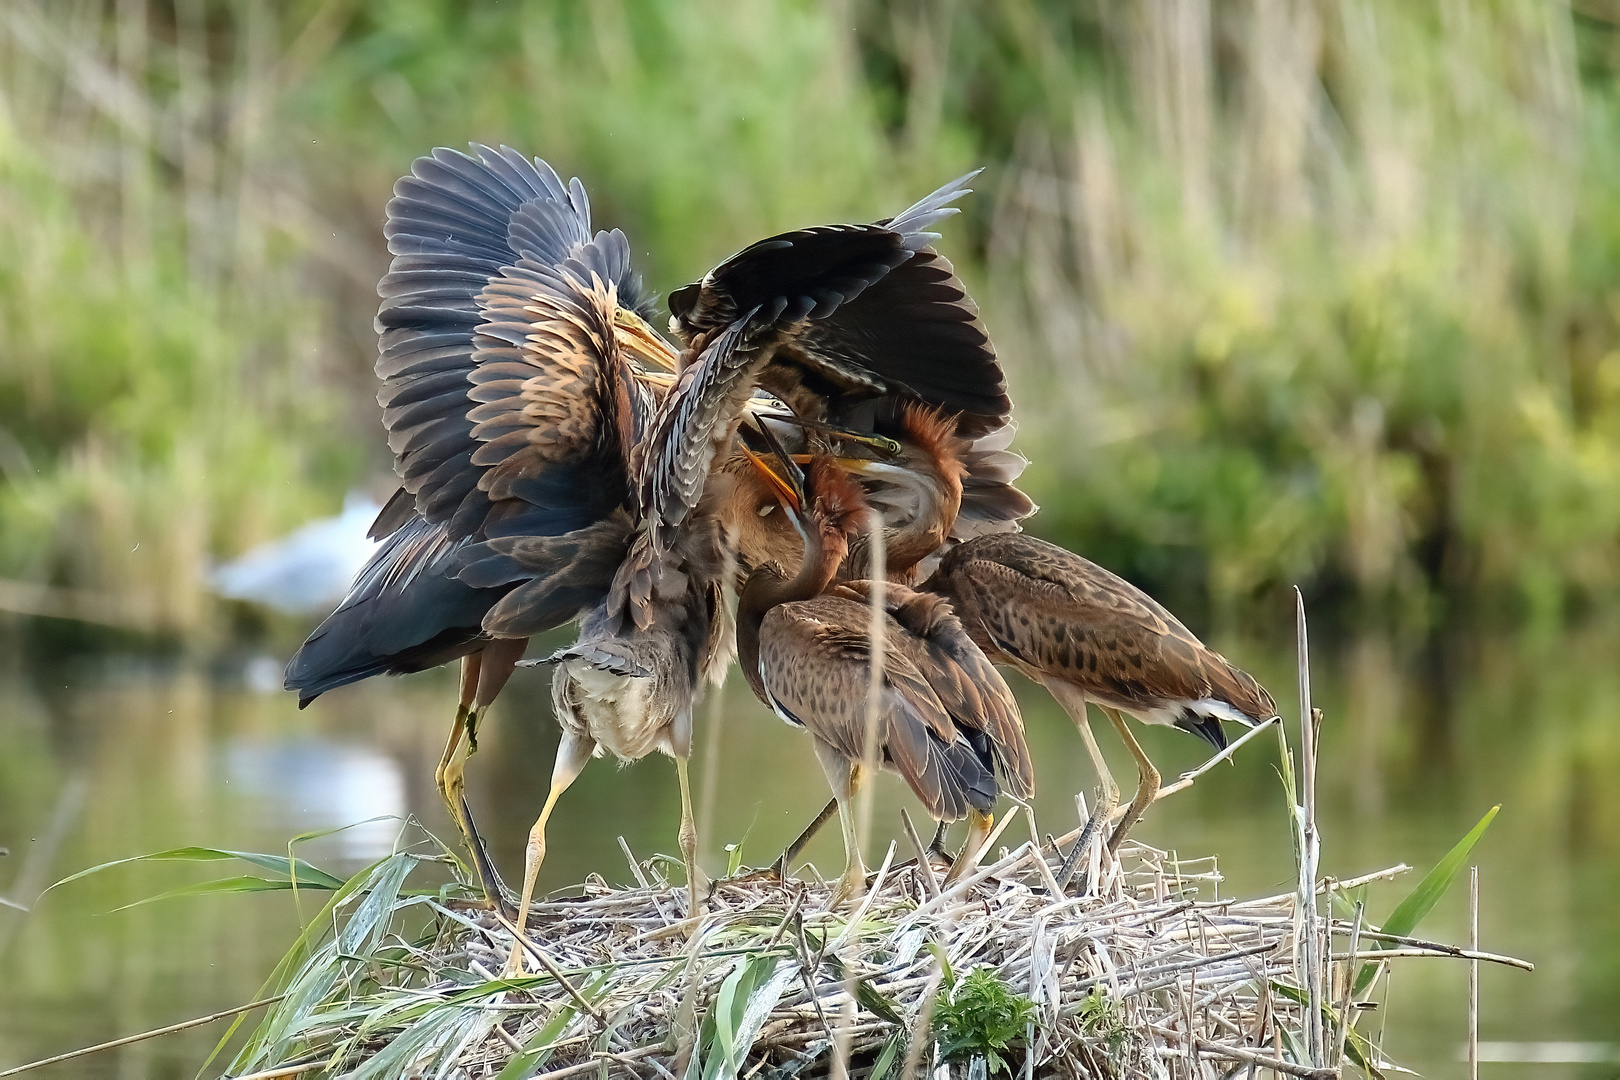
1422, 899
982, 1016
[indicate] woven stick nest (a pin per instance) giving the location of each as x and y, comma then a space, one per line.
1141, 971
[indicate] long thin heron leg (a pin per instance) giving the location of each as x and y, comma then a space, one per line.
498, 660
572, 754
1073, 701
1147, 787
978, 832
853, 881
784, 865
448, 776
688, 839
844, 777
936, 846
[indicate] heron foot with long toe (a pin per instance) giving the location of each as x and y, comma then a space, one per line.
979, 825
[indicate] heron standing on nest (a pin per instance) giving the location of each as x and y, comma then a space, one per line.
1064, 622
943, 718
518, 373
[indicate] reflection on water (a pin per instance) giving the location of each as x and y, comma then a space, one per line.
1420, 739
307, 783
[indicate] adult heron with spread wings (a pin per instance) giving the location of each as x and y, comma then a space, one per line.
518, 374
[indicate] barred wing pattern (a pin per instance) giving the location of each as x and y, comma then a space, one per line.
469, 235
1054, 614
510, 412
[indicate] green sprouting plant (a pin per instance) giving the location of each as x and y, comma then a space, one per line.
982, 1015
1100, 1017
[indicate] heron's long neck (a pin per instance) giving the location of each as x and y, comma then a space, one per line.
766, 588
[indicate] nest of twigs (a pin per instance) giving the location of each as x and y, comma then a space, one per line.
1142, 970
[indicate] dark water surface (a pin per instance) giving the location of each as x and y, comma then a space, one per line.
117, 758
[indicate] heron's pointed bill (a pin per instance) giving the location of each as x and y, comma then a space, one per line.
785, 491
642, 342
880, 444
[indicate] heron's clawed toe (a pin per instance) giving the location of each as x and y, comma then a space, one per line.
852, 886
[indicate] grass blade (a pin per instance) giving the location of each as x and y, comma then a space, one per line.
1422, 899
245, 884
312, 876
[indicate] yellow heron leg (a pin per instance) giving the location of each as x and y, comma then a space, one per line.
845, 778
1147, 786
972, 848
688, 841
1073, 701
449, 775
572, 754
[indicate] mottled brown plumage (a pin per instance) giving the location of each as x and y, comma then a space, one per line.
1088, 635
945, 719
1054, 615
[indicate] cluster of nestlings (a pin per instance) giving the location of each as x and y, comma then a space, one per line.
828, 444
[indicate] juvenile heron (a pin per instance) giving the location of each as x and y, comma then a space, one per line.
945, 720
1066, 623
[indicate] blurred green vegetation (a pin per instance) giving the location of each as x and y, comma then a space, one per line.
1318, 291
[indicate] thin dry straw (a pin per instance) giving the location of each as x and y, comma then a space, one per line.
1310, 940
878, 566
142, 1037
1473, 973
1346, 1014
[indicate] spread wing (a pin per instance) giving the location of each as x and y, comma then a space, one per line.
487, 250
865, 313
508, 407
842, 323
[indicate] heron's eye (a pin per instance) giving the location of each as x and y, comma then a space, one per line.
765, 511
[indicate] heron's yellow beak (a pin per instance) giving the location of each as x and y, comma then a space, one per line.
643, 342
785, 490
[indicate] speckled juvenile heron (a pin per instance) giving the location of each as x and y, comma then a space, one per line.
1068, 624
944, 720
1089, 635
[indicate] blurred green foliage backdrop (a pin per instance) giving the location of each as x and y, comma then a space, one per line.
1318, 291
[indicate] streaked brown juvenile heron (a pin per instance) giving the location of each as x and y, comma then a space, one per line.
1089, 635
1068, 624
945, 720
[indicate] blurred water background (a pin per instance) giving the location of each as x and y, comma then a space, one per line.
1322, 292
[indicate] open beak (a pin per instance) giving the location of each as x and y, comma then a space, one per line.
789, 481
643, 342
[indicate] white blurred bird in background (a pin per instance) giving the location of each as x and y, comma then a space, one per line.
307, 570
